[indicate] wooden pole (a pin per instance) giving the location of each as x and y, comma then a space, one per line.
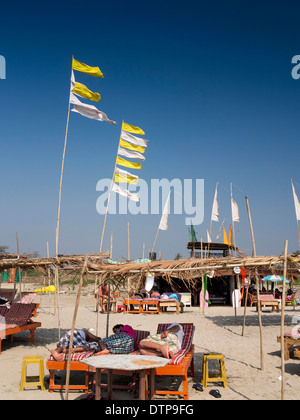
20, 282
296, 212
233, 230
73, 326
154, 241
61, 178
108, 310
109, 194
128, 242
143, 251
111, 243
253, 255
282, 322
49, 280
251, 228
260, 323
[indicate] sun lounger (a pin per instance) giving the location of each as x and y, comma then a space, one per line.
27, 297
8, 294
52, 365
181, 362
18, 319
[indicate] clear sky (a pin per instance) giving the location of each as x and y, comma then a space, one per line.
208, 81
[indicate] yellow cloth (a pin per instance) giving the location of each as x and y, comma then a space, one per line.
131, 146
84, 68
126, 179
225, 240
83, 91
132, 129
230, 236
127, 163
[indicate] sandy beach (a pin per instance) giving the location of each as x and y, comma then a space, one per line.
218, 331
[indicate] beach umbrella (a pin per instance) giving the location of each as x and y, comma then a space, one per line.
274, 278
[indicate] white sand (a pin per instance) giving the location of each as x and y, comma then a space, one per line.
217, 331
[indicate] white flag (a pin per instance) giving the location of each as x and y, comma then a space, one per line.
123, 172
235, 211
215, 208
164, 218
208, 237
125, 193
130, 154
220, 230
297, 204
89, 111
133, 139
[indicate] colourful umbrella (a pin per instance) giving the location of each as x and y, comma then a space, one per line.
274, 278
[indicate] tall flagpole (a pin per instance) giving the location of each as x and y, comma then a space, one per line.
296, 214
61, 175
109, 194
59, 198
232, 220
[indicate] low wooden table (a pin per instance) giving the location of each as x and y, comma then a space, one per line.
129, 363
163, 305
267, 302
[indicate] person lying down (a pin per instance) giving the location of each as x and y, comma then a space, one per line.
121, 342
166, 344
83, 340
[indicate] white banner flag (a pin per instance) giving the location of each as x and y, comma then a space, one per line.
133, 139
215, 209
89, 111
130, 154
235, 211
123, 172
125, 193
208, 237
297, 204
164, 218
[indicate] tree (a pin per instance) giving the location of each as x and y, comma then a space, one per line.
3, 249
178, 256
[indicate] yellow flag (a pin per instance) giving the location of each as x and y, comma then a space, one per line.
83, 91
225, 240
130, 146
127, 163
126, 179
229, 235
84, 68
132, 129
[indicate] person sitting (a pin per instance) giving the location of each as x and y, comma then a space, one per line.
121, 342
154, 293
101, 295
83, 340
166, 344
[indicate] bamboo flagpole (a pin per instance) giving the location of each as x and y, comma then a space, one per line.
62, 171
297, 209
233, 230
253, 255
128, 242
163, 225
109, 193
73, 326
282, 322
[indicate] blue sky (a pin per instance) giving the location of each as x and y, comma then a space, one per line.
208, 81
